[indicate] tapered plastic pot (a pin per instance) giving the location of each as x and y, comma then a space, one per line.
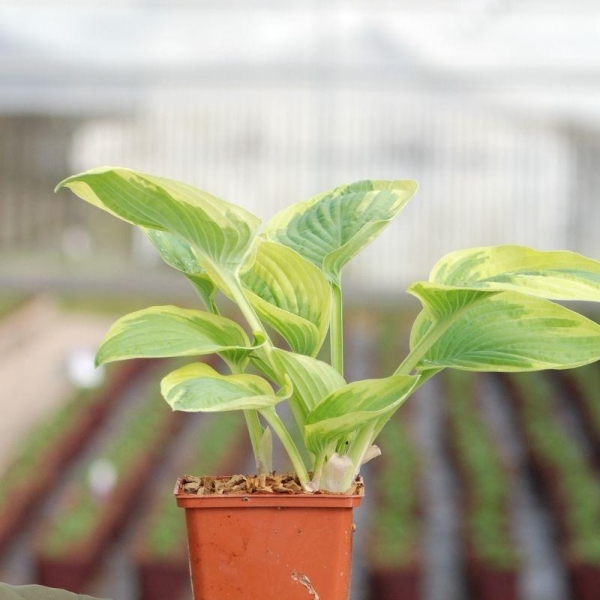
269, 546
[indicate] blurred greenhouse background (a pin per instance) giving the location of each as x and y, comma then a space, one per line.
493, 106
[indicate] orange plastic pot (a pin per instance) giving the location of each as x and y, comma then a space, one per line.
269, 546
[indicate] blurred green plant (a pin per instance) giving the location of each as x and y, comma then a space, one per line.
396, 522
487, 486
9, 302
82, 510
578, 486
587, 382
38, 446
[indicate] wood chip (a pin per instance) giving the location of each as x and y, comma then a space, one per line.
273, 483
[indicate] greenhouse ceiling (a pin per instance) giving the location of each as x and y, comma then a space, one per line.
540, 55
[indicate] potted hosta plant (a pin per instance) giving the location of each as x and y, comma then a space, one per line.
484, 309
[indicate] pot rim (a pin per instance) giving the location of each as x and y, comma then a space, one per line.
265, 500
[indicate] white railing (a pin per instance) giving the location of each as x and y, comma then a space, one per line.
485, 177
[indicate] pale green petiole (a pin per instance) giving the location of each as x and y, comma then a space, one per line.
319, 463
282, 433
240, 299
254, 426
420, 350
255, 431
337, 330
358, 449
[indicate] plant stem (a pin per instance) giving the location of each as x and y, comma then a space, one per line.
433, 334
359, 447
318, 469
255, 429
269, 414
282, 433
423, 345
257, 327
337, 330
319, 463
240, 299
212, 307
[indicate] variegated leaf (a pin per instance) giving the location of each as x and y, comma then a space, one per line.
222, 233
290, 294
171, 331
353, 406
558, 275
199, 388
498, 331
182, 256
333, 227
312, 381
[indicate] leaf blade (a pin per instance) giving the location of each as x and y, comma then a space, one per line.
162, 331
499, 331
223, 233
556, 275
353, 406
333, 227
199, 388
181, 256
290, 294
312, 380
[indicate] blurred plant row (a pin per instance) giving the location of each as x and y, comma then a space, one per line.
104, 446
